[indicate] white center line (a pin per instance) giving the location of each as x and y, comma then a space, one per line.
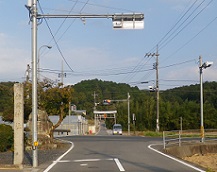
121, 168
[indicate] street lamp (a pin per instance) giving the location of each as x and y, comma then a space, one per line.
43, 46
201, 67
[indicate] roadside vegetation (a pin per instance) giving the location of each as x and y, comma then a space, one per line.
6, 138
175, 104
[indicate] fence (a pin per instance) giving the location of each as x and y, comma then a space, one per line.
180, 136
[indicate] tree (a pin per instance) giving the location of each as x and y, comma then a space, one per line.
55, 101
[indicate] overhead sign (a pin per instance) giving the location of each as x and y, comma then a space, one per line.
128, 21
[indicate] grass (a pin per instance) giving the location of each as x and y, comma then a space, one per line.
152, 134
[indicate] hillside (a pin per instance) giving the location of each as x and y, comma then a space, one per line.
174, 103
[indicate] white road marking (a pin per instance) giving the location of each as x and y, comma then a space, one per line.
121, 168
87, 160
83, 165
55, 162
182, 162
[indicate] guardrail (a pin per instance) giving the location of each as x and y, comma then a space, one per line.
180, 136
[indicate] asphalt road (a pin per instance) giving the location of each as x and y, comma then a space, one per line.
105, 152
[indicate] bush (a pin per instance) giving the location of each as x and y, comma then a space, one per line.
6, 137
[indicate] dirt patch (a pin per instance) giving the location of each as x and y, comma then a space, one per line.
208, 161
201, 154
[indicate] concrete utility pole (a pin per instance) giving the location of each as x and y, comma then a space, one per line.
128, 103
27, 73
201, 67
157, 91
201, 100
62, 75
34, 83
157, 85
94, 99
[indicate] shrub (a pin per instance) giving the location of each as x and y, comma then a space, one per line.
6, 137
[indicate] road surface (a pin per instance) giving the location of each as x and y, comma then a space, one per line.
105, 152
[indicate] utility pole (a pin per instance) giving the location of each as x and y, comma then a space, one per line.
128, 103
27, 73
61, 76
201, 100
157, 86
34, 14
94, 99
120, 21
201, 67
157, 91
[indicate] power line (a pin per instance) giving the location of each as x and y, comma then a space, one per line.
53, 36
108, 73
104, 6
166, 43
175, 64
111, 71
56, 43
151, 51
159, 43
186, 43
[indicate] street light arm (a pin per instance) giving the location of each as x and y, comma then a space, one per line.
206, 65
48, 46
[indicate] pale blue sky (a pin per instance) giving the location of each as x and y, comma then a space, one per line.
96, 50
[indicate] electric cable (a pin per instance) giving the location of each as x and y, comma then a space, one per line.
151, 51
166, 43
173, 27
191, 39
104, 6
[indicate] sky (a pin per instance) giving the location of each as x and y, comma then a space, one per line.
87, 49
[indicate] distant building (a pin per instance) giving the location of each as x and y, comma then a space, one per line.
78, 125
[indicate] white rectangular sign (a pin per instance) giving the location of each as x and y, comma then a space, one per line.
128, 21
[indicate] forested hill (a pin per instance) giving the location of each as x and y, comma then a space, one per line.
174, 103
104, 89
192, 93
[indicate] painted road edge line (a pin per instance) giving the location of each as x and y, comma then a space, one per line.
55, 162
121, 168
182, 162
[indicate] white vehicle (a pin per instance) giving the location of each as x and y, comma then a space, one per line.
117, 129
